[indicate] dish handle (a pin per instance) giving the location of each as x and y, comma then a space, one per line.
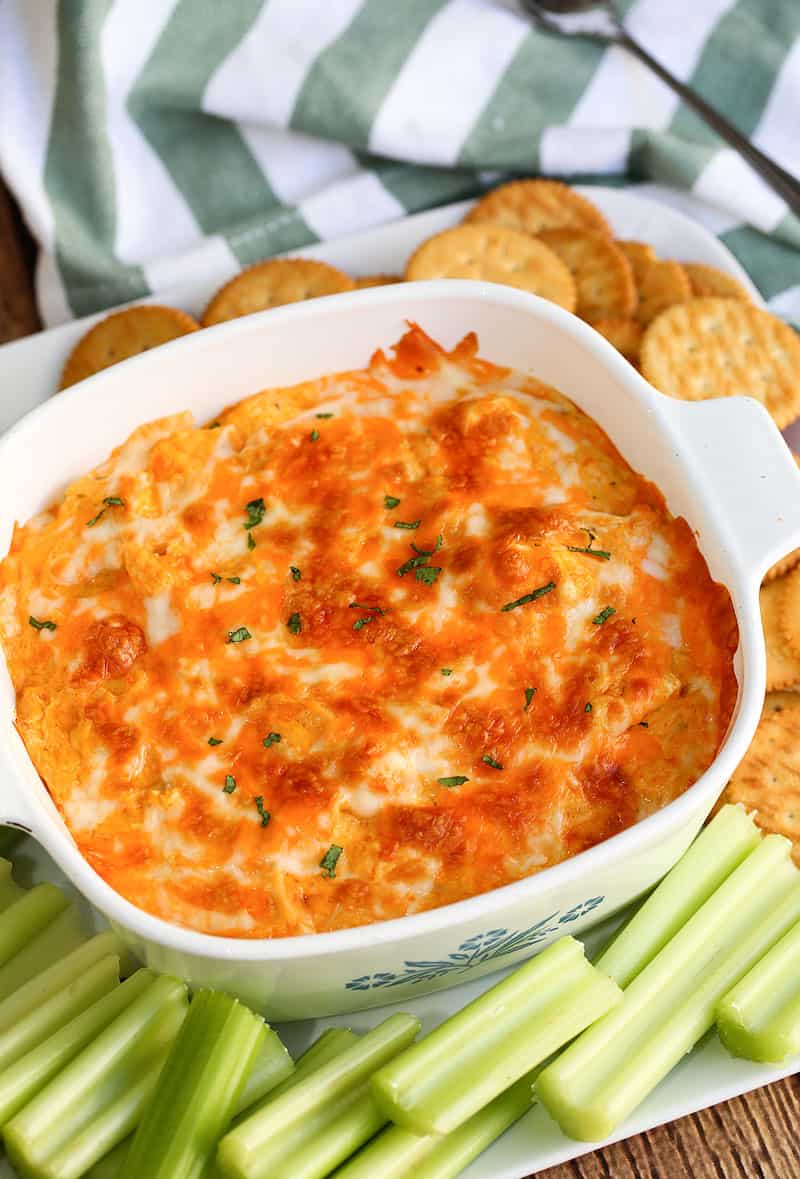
749, 473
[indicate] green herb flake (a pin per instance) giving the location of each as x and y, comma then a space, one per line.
602, 554
251, 544
215, 740
529, 695
240, 635
213, 425
455, 780
110, 501
216, 578
295, 572
588, 707
234, 580
447, 671
361, 606
531, 597
271, 739
314, 435
330, 860
644, 725
488, 760
294, 624
256, 510
390, 501
360, 623
324, 415
409, 524
428, 574
230, 784
412, 563
41, 624
603, 616
263, 812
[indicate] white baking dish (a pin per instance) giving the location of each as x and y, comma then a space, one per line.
721, 464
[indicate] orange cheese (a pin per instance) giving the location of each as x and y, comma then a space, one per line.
423, 613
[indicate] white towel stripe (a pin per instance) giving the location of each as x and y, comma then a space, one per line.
729, 183
296, 165
352, 204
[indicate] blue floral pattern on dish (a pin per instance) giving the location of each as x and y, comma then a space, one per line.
475, 951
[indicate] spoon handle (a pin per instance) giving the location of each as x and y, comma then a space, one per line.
786, 185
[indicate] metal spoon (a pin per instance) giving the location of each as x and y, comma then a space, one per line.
598, 21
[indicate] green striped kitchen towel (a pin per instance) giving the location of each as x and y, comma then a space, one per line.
150, 142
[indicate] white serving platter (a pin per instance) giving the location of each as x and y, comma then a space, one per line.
29, 372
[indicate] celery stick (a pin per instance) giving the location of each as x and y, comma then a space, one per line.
67, 1122
326, 1138
198, 1089
716, 852
287, 1122
9, 890
27, 916
330, 1043
59, 1008
55, 941
475, 1055
593, 1086
759, 1018
25, 1078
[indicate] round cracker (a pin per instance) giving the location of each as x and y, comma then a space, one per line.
377, 280
273, 284
639, 254
777, 701
603, 275
624, 334
783, 666
789, 611
787, 563
531, 206
707, 280
768, 779
122, 335
492, 253
661, 285
721, 347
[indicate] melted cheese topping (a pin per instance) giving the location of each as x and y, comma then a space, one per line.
378, 677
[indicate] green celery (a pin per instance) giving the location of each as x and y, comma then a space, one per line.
475, 1055
9, 889
397, 1152
326, 1138
63, 934
197, 1090
27, 916
286, 1123
593, 1085
716, 852
25, 1078
759, 1018
95, 1101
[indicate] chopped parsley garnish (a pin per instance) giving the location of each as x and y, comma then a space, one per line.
456, 780
531, 597
265, 815
239, 635
410, 524
643, 725
215, 740
412, 563
256, 510
529, 695
234, 580
488, 760
314, 435
41, 624
428, 574
330, 860
295, 572
213, 425
271, 739
429, 552
603, 616
588, 707
447, 671
324, 415
230, 784
425, 573
294, 624
390, 501
362, 622
590, 552
216, 578
251, 544
110, 501
361, 606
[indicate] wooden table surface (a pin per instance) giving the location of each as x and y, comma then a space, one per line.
751, 1137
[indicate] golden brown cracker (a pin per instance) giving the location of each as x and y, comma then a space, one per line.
603, 275
273, 284
377, 280
707, 280
722, 347
782, 567
624, 334
783, 666
531, 206
493, 253
122, 335
639, 255
789, 611
661, 285
768, 779
777, 701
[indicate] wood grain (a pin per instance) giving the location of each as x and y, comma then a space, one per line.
751, 1137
